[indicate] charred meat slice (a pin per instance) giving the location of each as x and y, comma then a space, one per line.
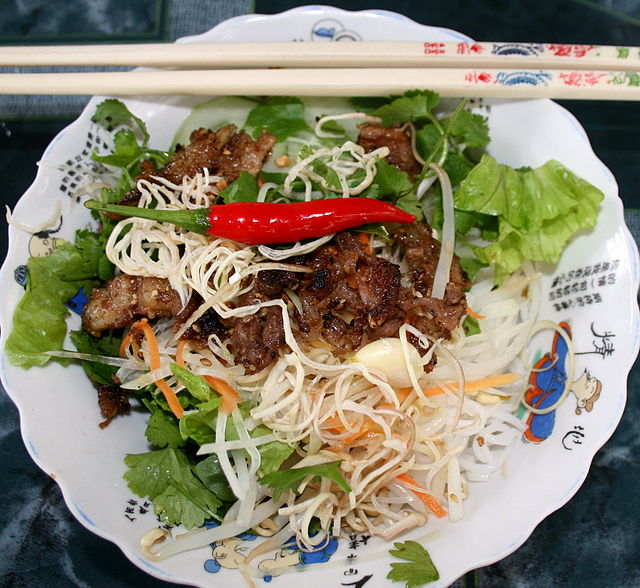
203, 151
112, 401
242, 153
203, 327
374, 136
124, 298
223, 152
431, 315
349, 295
257, 340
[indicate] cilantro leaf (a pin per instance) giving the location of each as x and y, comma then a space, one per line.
457, 167
243, 189
418, 570
393, 184
128, 153
178, 505
332, 126
162, 429
329, 175
410, 203
112, 113
166, 477
428, 138
94, 262
126, 149
413, 106
471, 127
282, 116
390, 180
283, 480
368, 103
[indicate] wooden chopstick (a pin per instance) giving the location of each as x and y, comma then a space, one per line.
411, 54
482, 83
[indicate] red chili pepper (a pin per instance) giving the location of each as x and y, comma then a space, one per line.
266, 223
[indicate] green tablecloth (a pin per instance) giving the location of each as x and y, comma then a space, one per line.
593, 541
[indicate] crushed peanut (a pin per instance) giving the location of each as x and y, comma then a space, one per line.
282, 161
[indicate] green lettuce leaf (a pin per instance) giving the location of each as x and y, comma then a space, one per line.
39, 322
526, 198
200, 426
211, 475
538, 210
196, 385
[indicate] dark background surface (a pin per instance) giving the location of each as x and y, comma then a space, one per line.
593, 541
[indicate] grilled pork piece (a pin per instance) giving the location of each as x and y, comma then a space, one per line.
223, 152
373, 136
432, 316
112, 401
351, 298
124, 298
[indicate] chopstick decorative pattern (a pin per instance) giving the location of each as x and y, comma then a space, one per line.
510, 70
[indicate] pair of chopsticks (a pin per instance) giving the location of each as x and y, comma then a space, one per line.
365, 68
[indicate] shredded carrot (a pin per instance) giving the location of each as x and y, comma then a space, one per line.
475, 315
230, 397
369, 430
154, 363
126, 341
403, 393
366, 241
429, 501
180, 352
130, 339
475, 385
333, 423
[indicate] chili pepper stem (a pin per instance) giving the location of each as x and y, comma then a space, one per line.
196, 220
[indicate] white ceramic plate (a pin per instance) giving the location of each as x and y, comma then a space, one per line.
593, 289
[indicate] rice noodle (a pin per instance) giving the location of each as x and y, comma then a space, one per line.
443, 269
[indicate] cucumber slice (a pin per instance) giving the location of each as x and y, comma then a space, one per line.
213, 115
